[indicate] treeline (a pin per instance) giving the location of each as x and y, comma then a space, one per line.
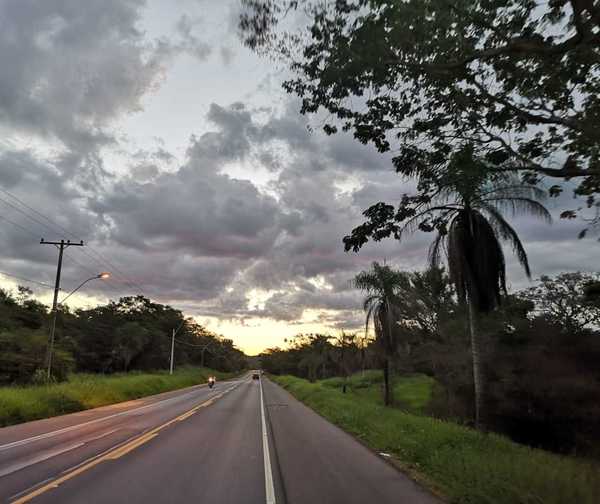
540, 352
133, 333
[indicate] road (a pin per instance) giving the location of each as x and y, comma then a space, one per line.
244, 441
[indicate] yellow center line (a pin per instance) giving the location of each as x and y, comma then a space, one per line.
124, 450
117, 452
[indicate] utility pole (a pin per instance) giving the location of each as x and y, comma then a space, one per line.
175, 331
61, 246
172, 351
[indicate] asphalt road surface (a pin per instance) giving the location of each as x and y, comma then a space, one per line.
244, 441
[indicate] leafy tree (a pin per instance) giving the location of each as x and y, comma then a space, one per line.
23, 294
129, 342
347, 348
466, 212
382, 285
518, 79
22, 354
131, 333
592, 293
428, 300
314, 354
565, 301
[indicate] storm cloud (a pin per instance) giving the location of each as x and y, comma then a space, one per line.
242, 218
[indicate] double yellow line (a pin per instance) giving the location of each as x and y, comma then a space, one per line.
117, 452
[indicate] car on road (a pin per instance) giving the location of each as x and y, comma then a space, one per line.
255, 376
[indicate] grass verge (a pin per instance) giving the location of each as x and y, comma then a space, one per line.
462, 464
411, 393
85, 391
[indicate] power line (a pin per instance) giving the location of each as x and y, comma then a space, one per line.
125, 280
57, 226
26, 279
103, 285
54, 226
35, 235
129, 281
33, 219
18, 226
211, 345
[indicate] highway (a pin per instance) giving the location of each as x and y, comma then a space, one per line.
244, 441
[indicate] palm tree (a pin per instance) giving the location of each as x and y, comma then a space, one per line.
346, 343
382, 307
467, 212
317, 350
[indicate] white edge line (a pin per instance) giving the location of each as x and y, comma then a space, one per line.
269, 488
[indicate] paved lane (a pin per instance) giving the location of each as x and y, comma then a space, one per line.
204, 446
214, 455
320, 463
33, 452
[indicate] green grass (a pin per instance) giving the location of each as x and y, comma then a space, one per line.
411, 393
464, 465
84, 391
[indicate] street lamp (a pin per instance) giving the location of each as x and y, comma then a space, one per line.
101, 276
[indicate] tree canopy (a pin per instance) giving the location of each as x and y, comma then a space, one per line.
517, 79
564, 301
133, 333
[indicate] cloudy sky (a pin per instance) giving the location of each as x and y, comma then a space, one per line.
147, 130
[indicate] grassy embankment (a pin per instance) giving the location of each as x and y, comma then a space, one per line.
84, 391
462, 464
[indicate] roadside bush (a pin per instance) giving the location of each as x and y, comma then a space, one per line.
84, 391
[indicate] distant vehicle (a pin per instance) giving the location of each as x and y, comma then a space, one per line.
255, 376
211, 381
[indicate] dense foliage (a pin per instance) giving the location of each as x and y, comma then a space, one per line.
518, 80
133, 333
540, 370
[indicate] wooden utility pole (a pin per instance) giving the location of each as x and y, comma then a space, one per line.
61, 246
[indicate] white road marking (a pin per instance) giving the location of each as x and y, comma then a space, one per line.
107, 451
17, 495
58, 432
40, 458
49, 454
269, 488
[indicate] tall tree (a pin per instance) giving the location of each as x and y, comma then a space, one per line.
346, 344
382, 285
566, 301
429, 299
518, 78
466, 213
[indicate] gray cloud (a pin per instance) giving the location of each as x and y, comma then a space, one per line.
190, 42
184, 227
74, 66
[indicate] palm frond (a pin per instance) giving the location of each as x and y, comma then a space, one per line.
378, 327
412, 224
520, 206
507, 233
369, 301
434, 255
516, 190
475, 260
370, 316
